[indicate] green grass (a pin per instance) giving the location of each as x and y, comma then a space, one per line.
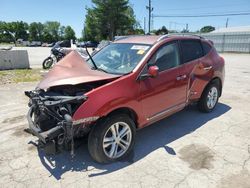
20, 75
6, 44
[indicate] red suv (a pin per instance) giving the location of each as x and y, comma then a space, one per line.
129, 84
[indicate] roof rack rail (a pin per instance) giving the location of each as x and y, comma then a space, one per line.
178, 34
163, 37
120, 38
193, 35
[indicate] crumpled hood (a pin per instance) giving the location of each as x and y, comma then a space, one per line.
72, 70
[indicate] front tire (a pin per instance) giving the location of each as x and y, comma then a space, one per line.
112, 138
209, 98
48, 62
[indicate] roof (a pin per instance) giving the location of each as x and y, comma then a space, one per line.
232, 29
143, 39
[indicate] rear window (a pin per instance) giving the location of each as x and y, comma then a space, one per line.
206, 48
191, 50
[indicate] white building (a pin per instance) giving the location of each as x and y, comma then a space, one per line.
232, 29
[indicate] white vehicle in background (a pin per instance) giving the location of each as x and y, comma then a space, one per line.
28, 43
35, 43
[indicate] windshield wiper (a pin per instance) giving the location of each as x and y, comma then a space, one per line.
90, 56
100, 69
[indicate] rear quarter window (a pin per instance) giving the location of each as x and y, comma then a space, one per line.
206, 47
191, 50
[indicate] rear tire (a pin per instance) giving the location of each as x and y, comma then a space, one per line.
112, 138
209, 97
47, 63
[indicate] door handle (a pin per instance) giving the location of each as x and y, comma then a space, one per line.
208, 68
182, 77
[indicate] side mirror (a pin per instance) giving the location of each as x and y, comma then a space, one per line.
153, 72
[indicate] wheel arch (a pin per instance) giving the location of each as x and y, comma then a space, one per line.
125, 110
218, 80
215, 79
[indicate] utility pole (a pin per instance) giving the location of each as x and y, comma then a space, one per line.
152, 21
145, 25
227, 22
150, 10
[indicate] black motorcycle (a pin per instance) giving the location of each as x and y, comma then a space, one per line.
56, 55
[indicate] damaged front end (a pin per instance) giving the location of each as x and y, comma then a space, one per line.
50, 119
61, 92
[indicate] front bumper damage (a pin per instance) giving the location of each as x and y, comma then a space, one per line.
50, 119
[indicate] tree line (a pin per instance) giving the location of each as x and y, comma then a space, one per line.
163, 30
50, 31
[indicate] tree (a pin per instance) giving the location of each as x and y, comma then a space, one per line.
3, 37
91, 30
20, 30
47, 37
48, 32
108, 19
162, 31
207, 29
36, 31
14, 30
69, 33
51, 31
62, 32
138, 31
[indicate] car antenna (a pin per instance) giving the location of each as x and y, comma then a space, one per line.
90, 56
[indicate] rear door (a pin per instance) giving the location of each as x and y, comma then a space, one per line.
193, 66
158, 95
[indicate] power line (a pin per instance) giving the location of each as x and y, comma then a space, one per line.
205, 7
203, 15
227, 12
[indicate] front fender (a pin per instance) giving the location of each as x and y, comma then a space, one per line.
97, 108
121, 93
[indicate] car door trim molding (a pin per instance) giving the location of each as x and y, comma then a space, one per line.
173, 108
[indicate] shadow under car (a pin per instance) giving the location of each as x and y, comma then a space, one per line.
148, 140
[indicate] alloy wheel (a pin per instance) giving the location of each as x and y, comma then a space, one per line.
212, 97
117, 140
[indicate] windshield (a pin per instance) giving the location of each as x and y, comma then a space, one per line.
119, 58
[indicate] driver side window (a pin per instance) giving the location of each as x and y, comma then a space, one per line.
166, 57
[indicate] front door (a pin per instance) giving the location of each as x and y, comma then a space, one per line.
168, 89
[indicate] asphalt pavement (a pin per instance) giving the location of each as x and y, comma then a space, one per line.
188, 149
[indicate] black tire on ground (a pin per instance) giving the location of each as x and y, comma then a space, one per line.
47, 63
203, 102
97, 134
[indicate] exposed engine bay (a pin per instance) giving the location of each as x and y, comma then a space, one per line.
51, 111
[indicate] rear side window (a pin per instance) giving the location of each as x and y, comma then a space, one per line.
206, 48
191, 50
